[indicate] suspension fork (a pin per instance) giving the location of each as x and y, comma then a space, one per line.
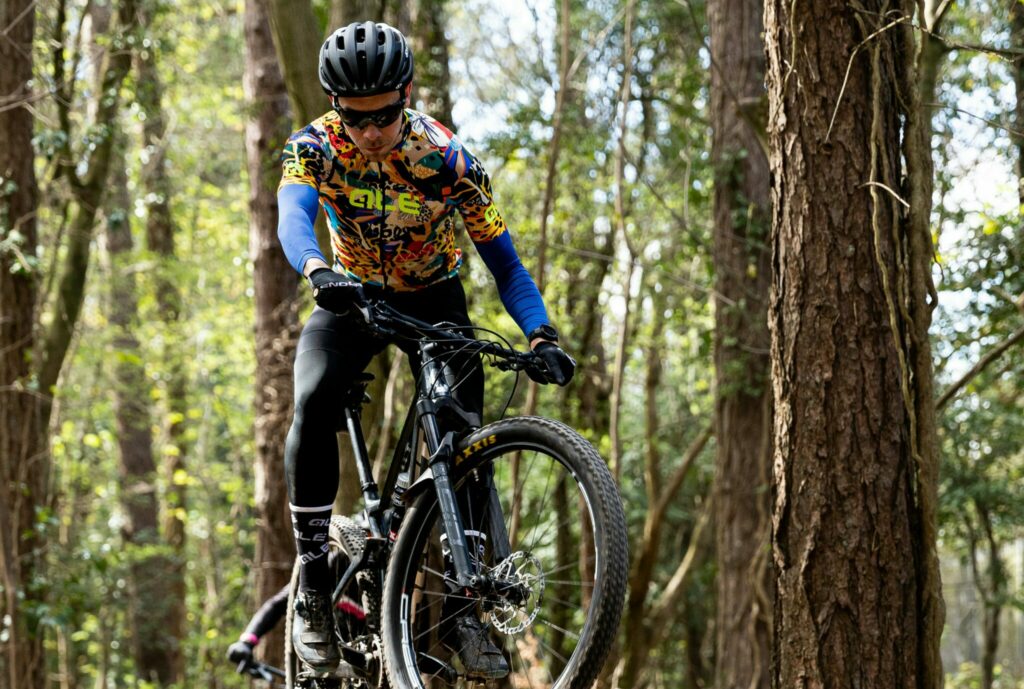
442, 451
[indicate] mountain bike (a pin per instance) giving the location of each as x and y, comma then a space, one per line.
544, 568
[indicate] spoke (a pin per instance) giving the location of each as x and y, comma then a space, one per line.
442, 594
581, 584
568, 604
517, 492
437, 573
514, 651
444, 617
574, 563
543, 505
552, 651
555, 626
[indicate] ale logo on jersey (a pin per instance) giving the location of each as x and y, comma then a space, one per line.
374, 199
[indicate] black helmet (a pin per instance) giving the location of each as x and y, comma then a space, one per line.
365, 59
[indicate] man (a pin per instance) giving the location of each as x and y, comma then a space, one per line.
390, 181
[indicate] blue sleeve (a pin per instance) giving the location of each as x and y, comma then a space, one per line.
516, 287
297, 205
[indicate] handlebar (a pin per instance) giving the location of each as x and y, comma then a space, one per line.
259, 670
384, 321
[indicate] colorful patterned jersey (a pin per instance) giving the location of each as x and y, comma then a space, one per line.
392, 223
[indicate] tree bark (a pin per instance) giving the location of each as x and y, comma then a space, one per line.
562, 96
742, 396
160, 230
88, 194
155, 649
991, 587
620, 206
430, 46
1017, 42
857, 600
277, 302
24, 459
344, 12
292, 24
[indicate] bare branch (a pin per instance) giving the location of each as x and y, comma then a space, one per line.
982, 364
849, 65
663, 609
888, 189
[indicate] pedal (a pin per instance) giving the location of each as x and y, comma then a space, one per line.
355, 661
436, 667
328, 679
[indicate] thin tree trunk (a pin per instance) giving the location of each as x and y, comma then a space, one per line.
993, 600
857, 595
24, 459
153, 647
157, 188
1017, 42
88, 194
554, 152
646, 631
277, 302
743, 399
621, 213
622, 343
920, 299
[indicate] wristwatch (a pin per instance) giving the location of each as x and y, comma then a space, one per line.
543, 332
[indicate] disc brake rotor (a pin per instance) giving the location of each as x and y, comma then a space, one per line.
524, 570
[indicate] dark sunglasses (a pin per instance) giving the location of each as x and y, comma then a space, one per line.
361, 119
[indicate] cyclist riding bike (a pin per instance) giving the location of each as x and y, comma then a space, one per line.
390, 181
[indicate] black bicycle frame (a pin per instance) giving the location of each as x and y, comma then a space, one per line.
385, 508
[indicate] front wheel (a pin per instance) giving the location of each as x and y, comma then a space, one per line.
557, 586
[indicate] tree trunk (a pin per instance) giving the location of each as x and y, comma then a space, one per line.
277, 302
994, 599
562, 95
293, 25
344, 12
154, 648
743, 401
156, 184
24, 458
430, 46
88, 194
857, 595
1017, 42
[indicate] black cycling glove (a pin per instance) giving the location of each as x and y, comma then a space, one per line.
560, 365
335, 292
240, 652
